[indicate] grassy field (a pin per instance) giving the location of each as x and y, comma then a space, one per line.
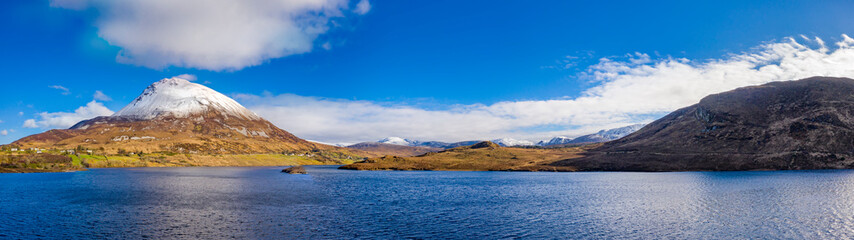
484, 156
55, 161
37, 162
189, 160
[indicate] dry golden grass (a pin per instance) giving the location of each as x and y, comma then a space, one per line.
188, 160
486, 157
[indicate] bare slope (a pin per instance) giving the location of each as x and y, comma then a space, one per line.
804, 124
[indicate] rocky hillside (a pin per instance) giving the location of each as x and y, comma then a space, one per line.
804, 124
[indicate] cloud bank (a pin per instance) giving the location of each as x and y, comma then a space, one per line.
67, 119
211, 34
630, 89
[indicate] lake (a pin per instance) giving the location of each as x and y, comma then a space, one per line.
262, 203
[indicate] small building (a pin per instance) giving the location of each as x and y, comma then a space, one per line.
14, 149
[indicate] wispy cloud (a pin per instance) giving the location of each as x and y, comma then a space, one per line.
363, 7
67, 119
101, 96
64, 90
211, 34
188, 77
4, 132
632, 89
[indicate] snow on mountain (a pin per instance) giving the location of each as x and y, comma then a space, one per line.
180, 98
445, 145
506, 142
608, 135
555, 141
509, 142
601, 136
331, 144
397, 141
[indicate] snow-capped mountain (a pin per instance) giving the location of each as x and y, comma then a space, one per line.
398, 141
175, 115
180, 98
504, 142
608, 135
509, 142
431, 144
601, 136
437, 144
555, 141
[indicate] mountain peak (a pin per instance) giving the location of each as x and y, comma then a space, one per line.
396, 141
510, 142
179, 98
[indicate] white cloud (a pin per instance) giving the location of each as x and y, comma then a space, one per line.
68, 119
363, 7
64, 90
628, 90
30, 123
210, 34
101, 96
20, 113
188, 77
4, 132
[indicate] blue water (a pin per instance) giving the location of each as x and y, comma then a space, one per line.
261, 203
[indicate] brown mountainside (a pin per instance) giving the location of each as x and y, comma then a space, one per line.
804, 124
177, 116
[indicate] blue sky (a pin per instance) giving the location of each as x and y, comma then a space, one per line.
436, 57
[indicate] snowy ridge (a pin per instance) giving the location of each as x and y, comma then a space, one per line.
398, 141
601, 136
180, 98
509, 142
555, 141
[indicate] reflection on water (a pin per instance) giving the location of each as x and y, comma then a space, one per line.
262, 203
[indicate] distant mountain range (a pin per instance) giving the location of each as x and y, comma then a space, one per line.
601, 136
432, 144
384, 149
